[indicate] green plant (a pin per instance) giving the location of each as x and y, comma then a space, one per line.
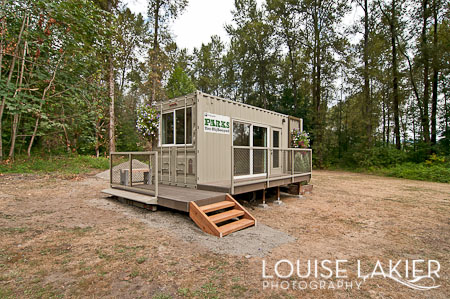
300, 139
141, 259
162, 296
61, 164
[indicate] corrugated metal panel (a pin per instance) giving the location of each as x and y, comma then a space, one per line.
173, 161
214, 150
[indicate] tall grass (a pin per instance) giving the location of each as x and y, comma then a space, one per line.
63, 164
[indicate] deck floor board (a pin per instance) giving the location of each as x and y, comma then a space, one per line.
178, 198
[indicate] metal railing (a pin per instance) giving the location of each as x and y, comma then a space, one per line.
134, 171
261, 164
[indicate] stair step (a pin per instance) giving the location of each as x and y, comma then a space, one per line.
235, 226
221, 217
217, 206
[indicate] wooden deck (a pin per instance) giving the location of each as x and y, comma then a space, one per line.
254, 184
178, 198
173, 197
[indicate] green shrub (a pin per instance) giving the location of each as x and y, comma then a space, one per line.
379, 157
62, 164
434, 172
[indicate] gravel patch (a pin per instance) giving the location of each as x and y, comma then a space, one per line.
257, 241
125, 165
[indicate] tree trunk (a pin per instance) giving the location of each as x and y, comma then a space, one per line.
155, 50
293, 70
16, 115
395, 78
111, 86
66, 135
11, 70
368, 101
384, 120
38, 117
435, 74
414, 128
112, 137
426, 81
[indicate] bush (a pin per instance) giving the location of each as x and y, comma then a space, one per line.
62, 164
422, 172
379, 157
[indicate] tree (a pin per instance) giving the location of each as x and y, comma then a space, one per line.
253, 42
208, 66
160, 13
179, 84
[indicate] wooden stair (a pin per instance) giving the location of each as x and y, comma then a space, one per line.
221, 218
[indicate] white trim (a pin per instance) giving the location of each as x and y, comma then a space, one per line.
248, 176
279, 146
174, 127
251, 147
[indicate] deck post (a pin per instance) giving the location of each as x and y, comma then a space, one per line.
185, 141
292, 167
156, 174
278, 201
131, 170
268, 166
176, 165
264, 205
232, 171
110, 168
170, 159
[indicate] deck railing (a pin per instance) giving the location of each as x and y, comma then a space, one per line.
261, 164
134, 171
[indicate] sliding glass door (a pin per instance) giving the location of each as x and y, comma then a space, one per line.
250, 156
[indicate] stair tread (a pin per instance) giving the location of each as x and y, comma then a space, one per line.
235, 226
227, 215
217, 206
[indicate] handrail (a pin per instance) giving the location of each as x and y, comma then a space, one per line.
272, 148
152, 176
287, 160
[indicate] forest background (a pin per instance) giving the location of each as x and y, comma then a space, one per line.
374, 95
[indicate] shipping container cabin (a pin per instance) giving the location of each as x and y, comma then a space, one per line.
209, 149
211, 143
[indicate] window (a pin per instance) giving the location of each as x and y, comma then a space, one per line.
179, 124
241, 134
250, 157
167, 128
259, 155
241, 137
276, 152
259, 136
174, 127
189, 125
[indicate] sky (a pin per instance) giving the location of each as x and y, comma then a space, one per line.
204, 18
200, 20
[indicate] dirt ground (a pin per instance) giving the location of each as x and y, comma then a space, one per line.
63, 238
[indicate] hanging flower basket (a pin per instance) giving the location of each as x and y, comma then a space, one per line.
299, 139
147, 121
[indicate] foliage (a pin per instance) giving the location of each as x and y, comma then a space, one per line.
417, 171
360, 88
179, 84
379, 157
147, 120
60, 164
300, 139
